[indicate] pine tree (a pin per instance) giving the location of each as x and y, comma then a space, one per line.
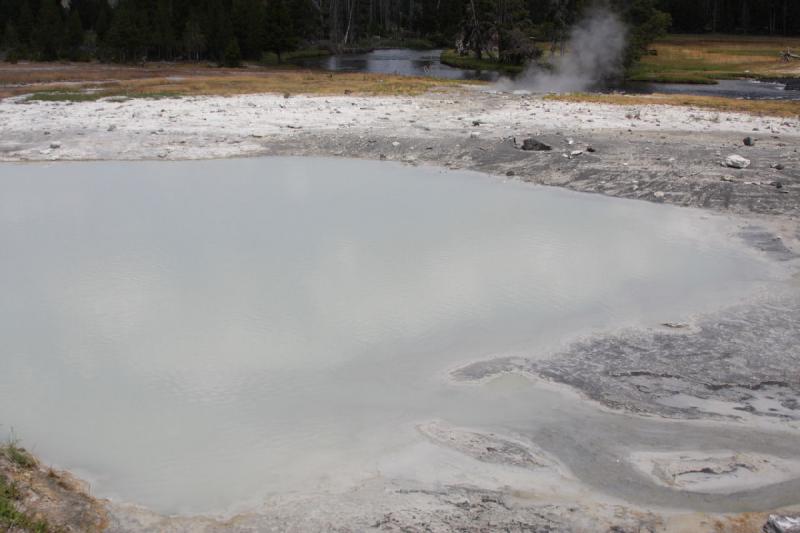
194, 42
513, 28
103, 21
645, 24
233, 55
480, 29
11, 43
280, 36
125, 38
256, 29
163, 36
217, 28
74, 36
25, 23
247, 17
48, 31
305, 19
240, 13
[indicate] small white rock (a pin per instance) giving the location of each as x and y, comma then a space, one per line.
736, 161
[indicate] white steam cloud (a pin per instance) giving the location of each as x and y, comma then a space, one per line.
594, 54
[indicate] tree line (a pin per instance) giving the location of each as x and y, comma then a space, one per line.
769, 17
231, 30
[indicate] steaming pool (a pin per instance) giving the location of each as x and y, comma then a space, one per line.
197, 336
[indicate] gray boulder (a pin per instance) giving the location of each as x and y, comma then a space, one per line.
782, 524
532, 144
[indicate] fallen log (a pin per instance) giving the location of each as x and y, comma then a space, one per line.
787, 55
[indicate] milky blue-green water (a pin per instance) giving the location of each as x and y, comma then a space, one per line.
193, 335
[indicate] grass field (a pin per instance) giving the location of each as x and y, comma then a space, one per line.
271, 58
451, 58
705, 58
82, 82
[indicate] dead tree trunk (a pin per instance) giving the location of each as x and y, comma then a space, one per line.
787, 55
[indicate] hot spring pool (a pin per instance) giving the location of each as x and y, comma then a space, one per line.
191, 336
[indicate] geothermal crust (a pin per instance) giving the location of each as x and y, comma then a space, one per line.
729, 377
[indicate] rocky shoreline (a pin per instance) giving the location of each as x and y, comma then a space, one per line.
732, 370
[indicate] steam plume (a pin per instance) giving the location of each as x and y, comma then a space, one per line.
594, 54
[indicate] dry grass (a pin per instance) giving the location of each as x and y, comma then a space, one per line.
704, 58
12, 516
291, 82
741, 523
91, 81
777, 108
18, 455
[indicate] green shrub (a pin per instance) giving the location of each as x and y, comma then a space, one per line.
19, 456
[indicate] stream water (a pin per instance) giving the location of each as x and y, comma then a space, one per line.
282, 324
426, 63
403, 61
